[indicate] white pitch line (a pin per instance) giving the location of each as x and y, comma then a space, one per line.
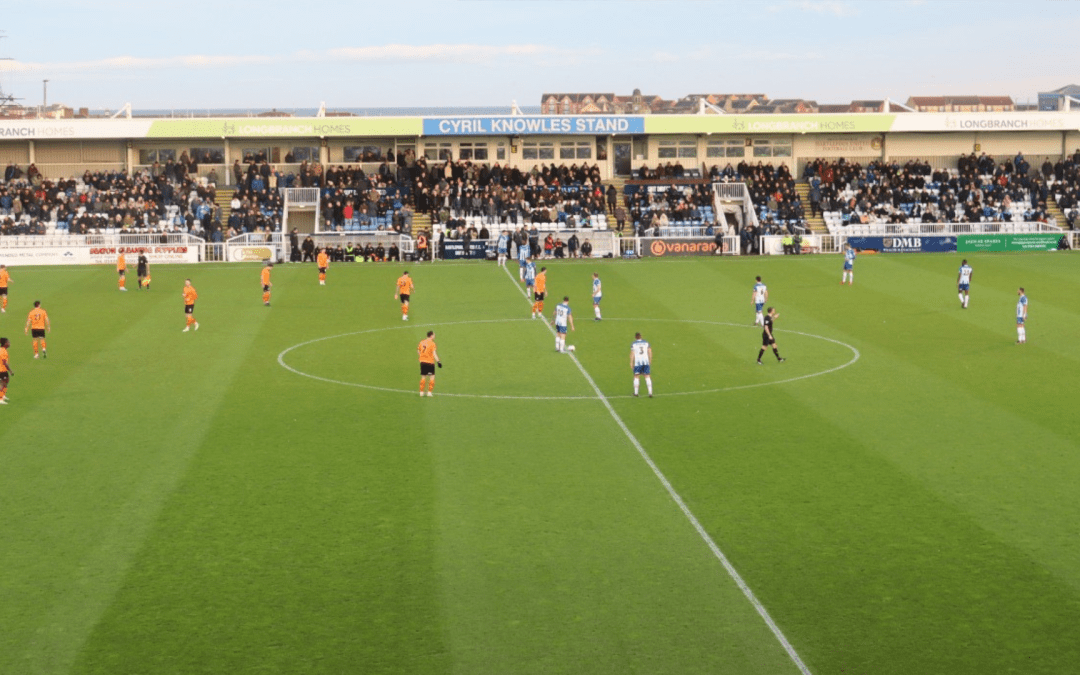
732, 572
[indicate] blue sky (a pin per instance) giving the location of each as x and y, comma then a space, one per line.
197, 54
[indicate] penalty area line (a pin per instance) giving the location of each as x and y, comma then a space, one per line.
728, 567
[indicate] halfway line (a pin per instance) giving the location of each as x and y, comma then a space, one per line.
732, 572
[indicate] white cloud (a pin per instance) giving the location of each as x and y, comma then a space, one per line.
435, 53
833, 7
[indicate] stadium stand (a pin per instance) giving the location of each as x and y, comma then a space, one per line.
979, 190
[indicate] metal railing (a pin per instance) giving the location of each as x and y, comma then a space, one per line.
301, 196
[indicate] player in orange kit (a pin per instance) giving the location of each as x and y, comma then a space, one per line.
266, 282
429, 357
121, 269
323, 262
5, 279
404, 290
38, 321
539, 292
190, 296
5, 369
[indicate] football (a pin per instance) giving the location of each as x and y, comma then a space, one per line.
571, 348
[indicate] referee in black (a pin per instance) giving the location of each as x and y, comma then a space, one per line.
143, 271
767, 337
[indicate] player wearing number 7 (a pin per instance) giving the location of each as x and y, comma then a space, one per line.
429, 357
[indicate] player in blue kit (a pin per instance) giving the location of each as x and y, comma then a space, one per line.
563, 318
523, 258
760, 295
501, 247
641, 362
849, 266
1021, 317
963, 283
597, 295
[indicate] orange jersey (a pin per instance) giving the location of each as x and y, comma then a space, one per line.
266, 276
190, 296
3, 360
541, 282
404, 285
427, 351
4, 278
37, 319
121, 264
323, 260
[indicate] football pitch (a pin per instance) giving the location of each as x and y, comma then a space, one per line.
269, 494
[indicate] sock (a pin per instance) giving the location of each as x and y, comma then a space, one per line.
961, 295
42, 344
421, 385
851, 278
322, 277
35, 347
405, 309
540, 307
1021, 333
648, 383
760, 353
637, 384
774, 351
266, 297
5, 302
759, 319
596, 310
556, 342
966, 300
431, 385
120, 284
190, 319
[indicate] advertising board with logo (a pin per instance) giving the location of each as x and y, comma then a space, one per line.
166, 253
905, 244
662, 247
1042, 241
253, 253
96, 255
454, 249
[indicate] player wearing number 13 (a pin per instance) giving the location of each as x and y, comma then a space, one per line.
963, 283
641, 362
760, 295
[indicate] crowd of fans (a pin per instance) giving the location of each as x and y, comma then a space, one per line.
662, 206
980, 189
1063, 178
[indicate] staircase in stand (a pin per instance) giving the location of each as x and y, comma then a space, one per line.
1054, 212
815, 223
223, 199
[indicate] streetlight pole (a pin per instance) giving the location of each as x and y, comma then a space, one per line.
44, 97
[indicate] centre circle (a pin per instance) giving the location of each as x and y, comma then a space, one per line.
282, 361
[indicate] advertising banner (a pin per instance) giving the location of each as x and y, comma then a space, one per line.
454, 249
253, 253
1042, 241
166, 253
46, 255
664, 247
905, 244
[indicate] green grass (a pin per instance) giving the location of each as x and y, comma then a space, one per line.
180, 503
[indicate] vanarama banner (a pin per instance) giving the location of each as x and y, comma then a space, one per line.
661, 247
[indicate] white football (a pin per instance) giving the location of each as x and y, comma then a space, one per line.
571, 348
